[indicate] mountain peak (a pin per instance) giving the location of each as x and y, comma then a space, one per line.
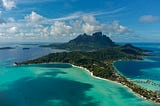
85, 42
97, 34
95, 41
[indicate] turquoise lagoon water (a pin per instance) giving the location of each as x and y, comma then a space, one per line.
57, 85
142, 71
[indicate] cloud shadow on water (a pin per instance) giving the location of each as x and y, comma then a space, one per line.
42, 91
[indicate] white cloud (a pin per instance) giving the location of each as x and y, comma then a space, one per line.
90, 20
81, 14
118, 29
91, 25
149, 18
36, 26
0, 13
76, 26
34, 17
10, 19
35, 1
60, 28
12, 30
9, 4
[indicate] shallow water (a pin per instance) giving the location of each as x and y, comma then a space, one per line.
61, 85
56, 84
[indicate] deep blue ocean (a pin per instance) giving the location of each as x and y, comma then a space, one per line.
63, 84
146, 70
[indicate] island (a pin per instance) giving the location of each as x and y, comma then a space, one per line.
5, 48
30, 44
25, 48
85, 42
97, 53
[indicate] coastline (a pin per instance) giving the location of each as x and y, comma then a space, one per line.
113, 81
91, 74
94, 68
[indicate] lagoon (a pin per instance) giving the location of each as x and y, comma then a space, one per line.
61, 85
143, 72
57, 84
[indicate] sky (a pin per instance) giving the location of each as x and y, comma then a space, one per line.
63, 20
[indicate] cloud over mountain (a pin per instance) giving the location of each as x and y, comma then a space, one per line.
34, 25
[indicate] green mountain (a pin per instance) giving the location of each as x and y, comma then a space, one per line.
94, 42
100, 61
85, 42
130, 49
97, 40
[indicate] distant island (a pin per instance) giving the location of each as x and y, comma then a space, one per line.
97, 53
26, 48
32, 44
4, 48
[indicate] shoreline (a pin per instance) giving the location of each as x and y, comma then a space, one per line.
128, 85
91, 74
129, 89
